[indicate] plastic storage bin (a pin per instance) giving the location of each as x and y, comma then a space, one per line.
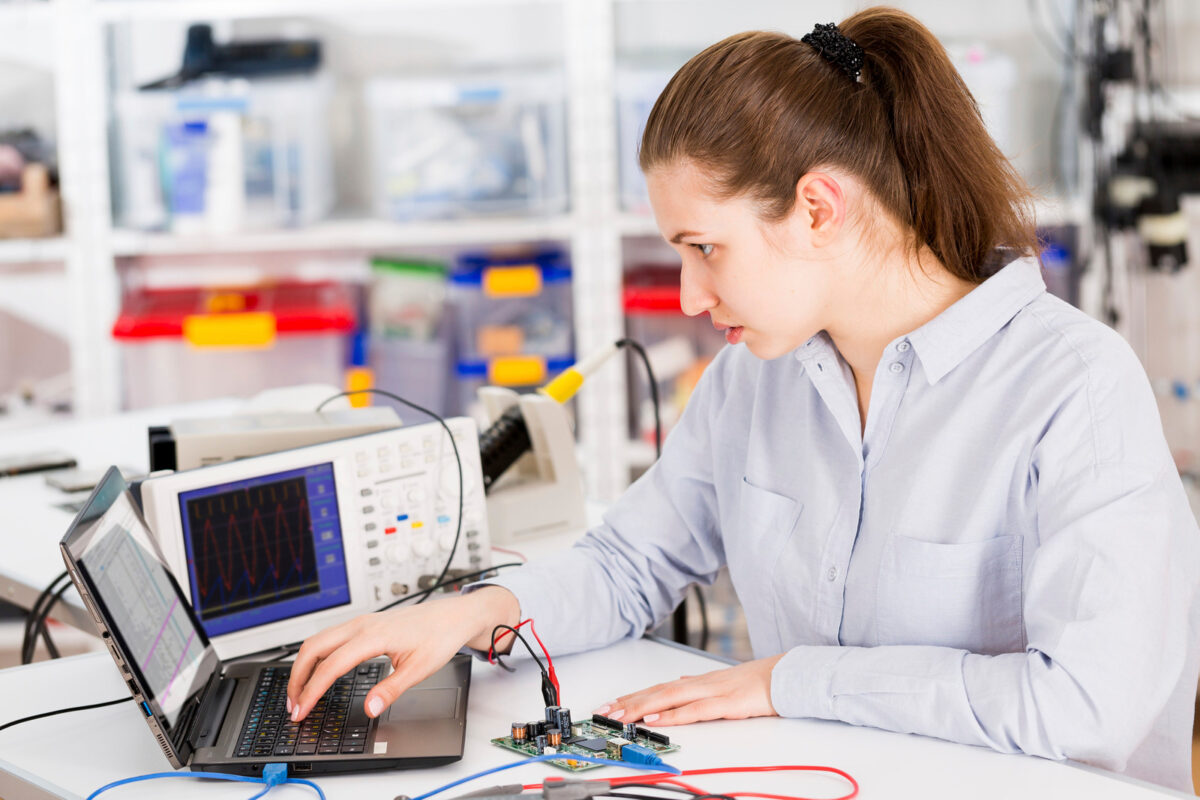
637, 89
410, 344
222, 155
483, 144
520, 373
193, 344
679, 347
510, 306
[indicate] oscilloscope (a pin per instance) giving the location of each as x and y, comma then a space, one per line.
272, 548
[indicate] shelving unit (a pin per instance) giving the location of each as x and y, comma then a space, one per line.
593, 33
32, 251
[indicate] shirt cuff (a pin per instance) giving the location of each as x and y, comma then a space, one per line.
802, 682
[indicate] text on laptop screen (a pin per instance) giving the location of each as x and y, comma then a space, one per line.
145, 609
264, 549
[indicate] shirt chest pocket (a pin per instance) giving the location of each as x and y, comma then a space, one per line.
764, 524
965, 595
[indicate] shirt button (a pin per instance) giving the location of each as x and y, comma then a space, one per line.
903, 347
896, 367
832, 574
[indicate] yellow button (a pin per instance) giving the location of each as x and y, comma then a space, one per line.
417, 524
517, 371
251, 329
522, 281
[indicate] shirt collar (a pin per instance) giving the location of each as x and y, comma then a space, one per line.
947, 339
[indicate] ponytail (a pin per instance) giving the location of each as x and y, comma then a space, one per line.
759, 110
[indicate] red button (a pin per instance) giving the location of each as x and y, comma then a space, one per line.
389, 530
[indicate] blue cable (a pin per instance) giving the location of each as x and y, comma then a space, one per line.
271, 780
550, 757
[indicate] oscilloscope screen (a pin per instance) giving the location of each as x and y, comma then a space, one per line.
264, 549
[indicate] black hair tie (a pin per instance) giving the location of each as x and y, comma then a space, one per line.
835, 48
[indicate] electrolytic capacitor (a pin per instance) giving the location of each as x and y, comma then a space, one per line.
629, 731
539, 743
564, 721
552, 714
520, 731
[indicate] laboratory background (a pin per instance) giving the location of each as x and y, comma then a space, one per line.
205, 200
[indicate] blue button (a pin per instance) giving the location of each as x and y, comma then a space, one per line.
401, 517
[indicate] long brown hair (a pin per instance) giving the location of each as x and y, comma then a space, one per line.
758, 110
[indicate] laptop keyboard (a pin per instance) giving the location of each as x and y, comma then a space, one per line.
336, 724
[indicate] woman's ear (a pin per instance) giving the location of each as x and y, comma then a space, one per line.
820, 207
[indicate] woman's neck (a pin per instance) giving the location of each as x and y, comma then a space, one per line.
888, 297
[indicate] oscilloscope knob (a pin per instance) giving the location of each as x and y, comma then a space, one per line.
398, 553
423, 547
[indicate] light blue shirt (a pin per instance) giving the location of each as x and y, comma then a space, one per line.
1004, 558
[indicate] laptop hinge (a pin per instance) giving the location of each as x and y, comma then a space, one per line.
211, 715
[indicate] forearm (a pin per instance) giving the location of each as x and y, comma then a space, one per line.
1015, 702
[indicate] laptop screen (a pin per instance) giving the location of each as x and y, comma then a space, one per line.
139, 600
264, 548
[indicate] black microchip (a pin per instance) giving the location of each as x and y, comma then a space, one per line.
596, 745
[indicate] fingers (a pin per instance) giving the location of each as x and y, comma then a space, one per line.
312, 651
330, 668
733, 693
698, 711
636, 706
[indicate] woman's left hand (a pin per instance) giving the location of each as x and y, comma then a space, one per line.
733, 693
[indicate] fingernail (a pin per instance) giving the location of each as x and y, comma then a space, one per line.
650, 718
603, 709
296, 713
620, 712
289, 705
374, 706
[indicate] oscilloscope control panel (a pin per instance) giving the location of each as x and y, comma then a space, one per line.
271, 549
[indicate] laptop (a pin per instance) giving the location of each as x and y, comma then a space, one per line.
230, 716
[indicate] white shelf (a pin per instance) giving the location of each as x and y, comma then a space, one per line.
121, 10
361, 234
32, 251
637, 225
23, 12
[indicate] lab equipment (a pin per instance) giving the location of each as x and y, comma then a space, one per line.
410, 335
638, 86
190, 343
530, 433
270, 548
211, 714
245, 58
679, 347
599, 736
34, 210
467, 145
224, 154
512, 304
202, 442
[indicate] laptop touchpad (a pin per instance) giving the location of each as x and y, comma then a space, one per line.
426, 704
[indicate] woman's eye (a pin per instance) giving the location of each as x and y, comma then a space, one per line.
705, 249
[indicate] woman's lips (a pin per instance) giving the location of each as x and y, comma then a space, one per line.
733, 334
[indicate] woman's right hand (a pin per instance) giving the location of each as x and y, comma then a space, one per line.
418, 639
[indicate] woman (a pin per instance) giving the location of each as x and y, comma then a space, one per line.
943, 495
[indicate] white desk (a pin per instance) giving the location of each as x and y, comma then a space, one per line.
71, 755
31, 523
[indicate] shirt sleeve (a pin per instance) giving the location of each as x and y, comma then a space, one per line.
629, 573
1108, 607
